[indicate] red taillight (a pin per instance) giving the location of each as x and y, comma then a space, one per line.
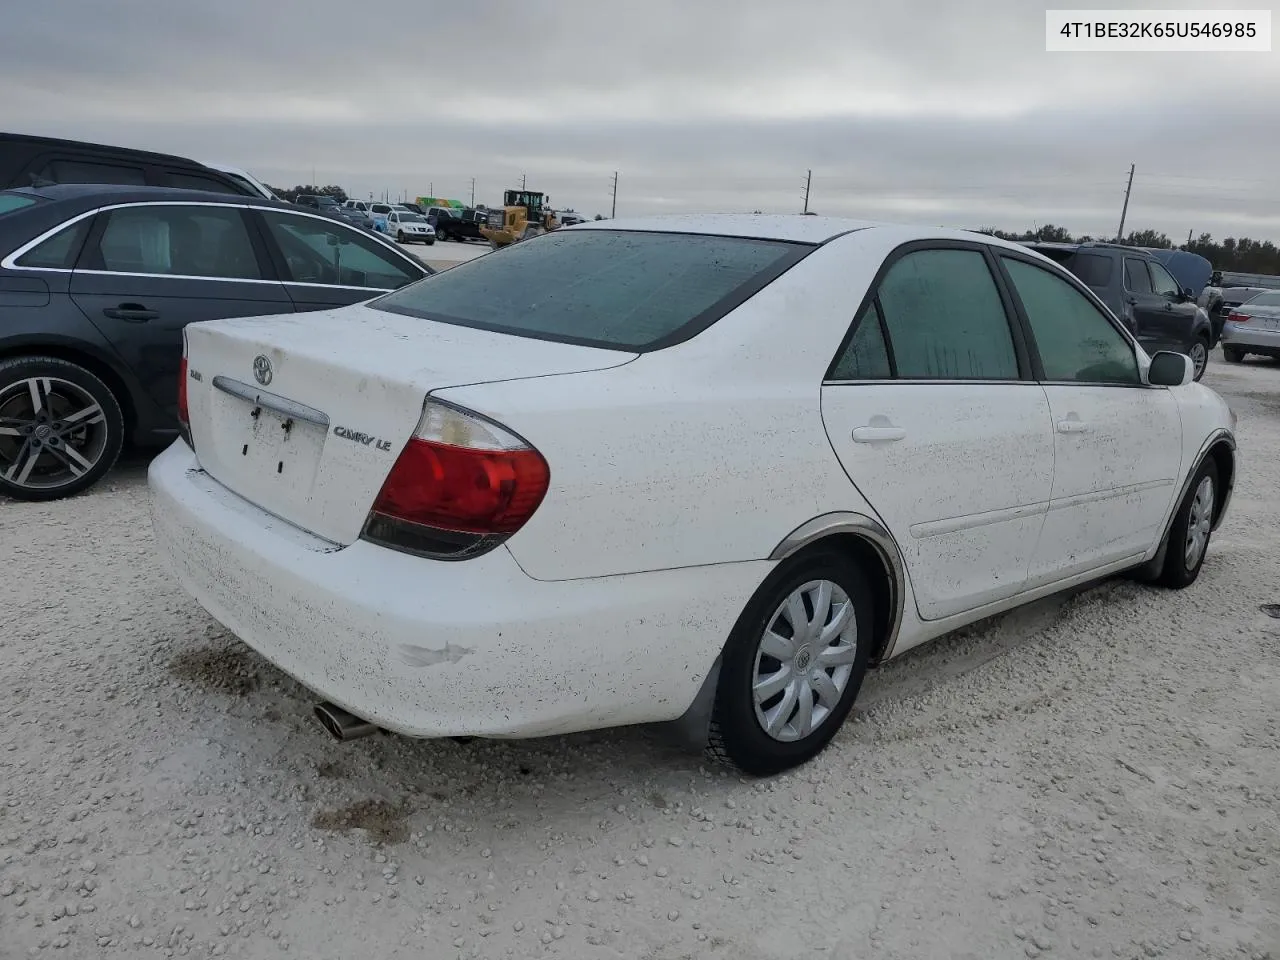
461, 485
183, 417
1237, 317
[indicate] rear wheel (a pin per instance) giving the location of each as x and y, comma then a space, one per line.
61, 428
1233, 354
793, 665
1199, 354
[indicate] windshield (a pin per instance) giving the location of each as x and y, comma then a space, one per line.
14, 201
411, 218
328, 202
619, 290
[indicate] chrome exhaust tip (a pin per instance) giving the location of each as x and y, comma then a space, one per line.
342, 725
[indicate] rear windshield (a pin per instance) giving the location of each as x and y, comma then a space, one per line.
10, 202
1266, 300
1092, 269
620, 290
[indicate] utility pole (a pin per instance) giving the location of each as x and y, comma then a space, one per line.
614, 213
1124, 211
473, 192
523, 181
808, 180
1189, 232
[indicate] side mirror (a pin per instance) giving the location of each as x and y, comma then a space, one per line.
1187, 294
1170, 369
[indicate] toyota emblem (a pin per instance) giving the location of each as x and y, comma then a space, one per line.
262, 369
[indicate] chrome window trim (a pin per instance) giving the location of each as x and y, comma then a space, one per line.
9, 262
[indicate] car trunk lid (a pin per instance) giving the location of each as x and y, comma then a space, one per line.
305, 414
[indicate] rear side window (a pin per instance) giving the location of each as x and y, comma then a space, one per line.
177, 240
10, 202
87, 171
1094, 270
945, 318
620, 290
60, 251
866, 357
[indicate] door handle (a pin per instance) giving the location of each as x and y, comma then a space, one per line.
131, 313
1072, 425
878, 434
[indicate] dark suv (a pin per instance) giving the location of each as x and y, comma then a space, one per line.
1142, 293
27, 161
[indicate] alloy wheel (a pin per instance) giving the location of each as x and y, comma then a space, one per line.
52, 432
804, 660
1199, 357
1199, 522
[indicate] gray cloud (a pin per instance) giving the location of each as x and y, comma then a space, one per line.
942, 112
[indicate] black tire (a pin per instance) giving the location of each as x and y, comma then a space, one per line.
442, 236
1233, 354
429, 241
399, 236
1179, 571
737, 733
69, 389
1201, 342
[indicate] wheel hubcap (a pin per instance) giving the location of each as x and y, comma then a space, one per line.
52, 432
1199, 520
804, 660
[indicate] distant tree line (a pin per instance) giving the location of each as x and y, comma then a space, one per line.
292, 193
1235, 255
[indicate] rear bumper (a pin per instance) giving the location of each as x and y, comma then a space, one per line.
1250, 336
431, 648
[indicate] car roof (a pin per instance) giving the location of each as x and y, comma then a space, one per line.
128, 193
81, 145
793, 228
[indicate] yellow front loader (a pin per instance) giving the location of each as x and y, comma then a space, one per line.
523, 215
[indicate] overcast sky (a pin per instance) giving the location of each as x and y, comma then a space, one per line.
945, 112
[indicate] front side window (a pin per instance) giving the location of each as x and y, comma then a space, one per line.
1093, 269
1136, 277
945, 318
326, 252
193, 181
622, 290
58, 252
1162, 282
177, 240
1076, 340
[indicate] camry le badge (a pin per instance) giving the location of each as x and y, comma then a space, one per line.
262, 369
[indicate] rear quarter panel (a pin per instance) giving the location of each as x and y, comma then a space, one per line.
707, 452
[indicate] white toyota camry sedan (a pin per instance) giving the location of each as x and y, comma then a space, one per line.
646, 470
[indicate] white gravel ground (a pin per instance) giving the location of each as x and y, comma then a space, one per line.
1096, 776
